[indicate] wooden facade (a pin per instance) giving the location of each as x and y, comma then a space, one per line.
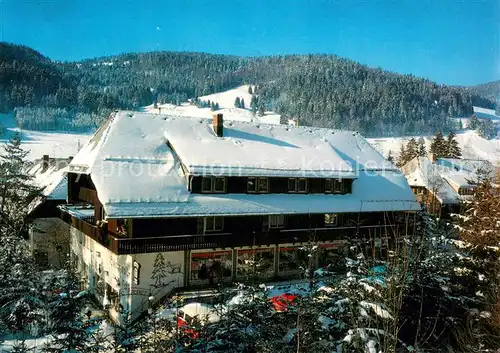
273, 185
148, 235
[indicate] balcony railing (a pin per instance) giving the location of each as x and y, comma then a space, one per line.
124, 245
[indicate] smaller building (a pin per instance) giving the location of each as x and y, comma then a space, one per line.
442, 184
485, 113
48, 234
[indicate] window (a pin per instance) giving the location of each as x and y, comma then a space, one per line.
331, 219
328, 186
334, 186
206, 184
337, 186
213, 184
258, 185
255, 262
211, 265
276, 221
213, 224
219, 184
466, 191
136, 273
297, 185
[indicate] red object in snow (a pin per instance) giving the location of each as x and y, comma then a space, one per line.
282, 301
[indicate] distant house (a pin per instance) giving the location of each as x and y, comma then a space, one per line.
485, 113
48, 234
158, 203
443, 184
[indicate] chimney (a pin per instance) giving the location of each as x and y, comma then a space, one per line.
45, 162
217, 124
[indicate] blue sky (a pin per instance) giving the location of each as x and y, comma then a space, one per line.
449, 41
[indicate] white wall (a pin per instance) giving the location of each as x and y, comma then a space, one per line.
117, 271
174, 278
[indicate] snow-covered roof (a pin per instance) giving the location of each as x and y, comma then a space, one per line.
52, 180
421, 172
137, 173
485, 113
466, 165
446, 176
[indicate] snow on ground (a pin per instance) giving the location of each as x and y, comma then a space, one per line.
226, 103
473, 146
38, 143
226, 99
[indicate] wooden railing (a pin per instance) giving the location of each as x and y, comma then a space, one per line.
222, 240
123, 245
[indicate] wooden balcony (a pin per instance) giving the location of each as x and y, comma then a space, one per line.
125, 245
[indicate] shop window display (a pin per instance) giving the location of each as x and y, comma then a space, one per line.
211, 265
292, 259
255, 262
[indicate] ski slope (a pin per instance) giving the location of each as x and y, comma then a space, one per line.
226, 103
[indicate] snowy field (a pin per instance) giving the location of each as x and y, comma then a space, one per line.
38, 143
473, 146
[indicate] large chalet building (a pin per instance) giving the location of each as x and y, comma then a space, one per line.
157, 203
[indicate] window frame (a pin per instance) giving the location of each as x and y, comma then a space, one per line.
328, 186
276, 225
296, 183
266, 189
338, 186
136, 273
212, 180
255, 186
203, 181
214, 227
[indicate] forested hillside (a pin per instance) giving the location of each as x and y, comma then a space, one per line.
319, 90
490, 90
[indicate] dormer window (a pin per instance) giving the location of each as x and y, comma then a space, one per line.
333, 186
297, 185
213, 185
258, 185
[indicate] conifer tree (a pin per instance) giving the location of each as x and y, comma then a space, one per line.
237, 102
421, 151
250, 91
402, 156
438, 146
390, 157
411, 149
261, 111
16, 187
486, 129
453, 149
242, 103
254, 104
473, 123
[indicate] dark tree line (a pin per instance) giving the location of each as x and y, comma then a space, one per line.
319, 90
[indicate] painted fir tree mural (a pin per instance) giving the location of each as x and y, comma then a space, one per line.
160, 271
